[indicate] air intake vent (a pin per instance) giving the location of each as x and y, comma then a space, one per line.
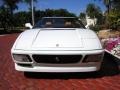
57, 59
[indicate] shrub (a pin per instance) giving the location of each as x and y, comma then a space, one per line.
96, 28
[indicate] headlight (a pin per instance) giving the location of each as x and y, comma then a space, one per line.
22, 58
93, 58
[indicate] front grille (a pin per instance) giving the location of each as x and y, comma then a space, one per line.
57, 59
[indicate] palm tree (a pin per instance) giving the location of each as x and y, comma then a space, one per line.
93, 11
30, 3
11, 5
107, 4
7, 18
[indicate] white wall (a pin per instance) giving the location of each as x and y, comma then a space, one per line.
91, 21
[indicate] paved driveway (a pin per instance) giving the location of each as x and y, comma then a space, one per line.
108, 78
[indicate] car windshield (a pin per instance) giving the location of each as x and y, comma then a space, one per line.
59, 23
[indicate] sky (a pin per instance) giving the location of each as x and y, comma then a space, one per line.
74, 6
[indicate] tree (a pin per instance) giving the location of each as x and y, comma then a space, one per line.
63, 13
21, 18
113, 13
8, 7
4, 18
107, 4
115, 4
11, 5
93, 11
114, 19
82, 15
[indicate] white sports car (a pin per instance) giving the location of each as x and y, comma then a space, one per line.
57, 44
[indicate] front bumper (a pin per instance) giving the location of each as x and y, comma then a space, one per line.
58, 69
87, 67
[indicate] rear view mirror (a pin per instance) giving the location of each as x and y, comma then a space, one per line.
28, 25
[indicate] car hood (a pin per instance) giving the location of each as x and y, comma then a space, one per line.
58, 39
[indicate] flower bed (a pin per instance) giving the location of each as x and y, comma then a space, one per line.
112, 45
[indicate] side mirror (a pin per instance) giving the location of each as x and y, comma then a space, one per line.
28, 25
87, 26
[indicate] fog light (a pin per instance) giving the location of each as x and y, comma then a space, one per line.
22, 58
93, 58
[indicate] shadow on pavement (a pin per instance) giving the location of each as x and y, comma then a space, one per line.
109, 68
9, 32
